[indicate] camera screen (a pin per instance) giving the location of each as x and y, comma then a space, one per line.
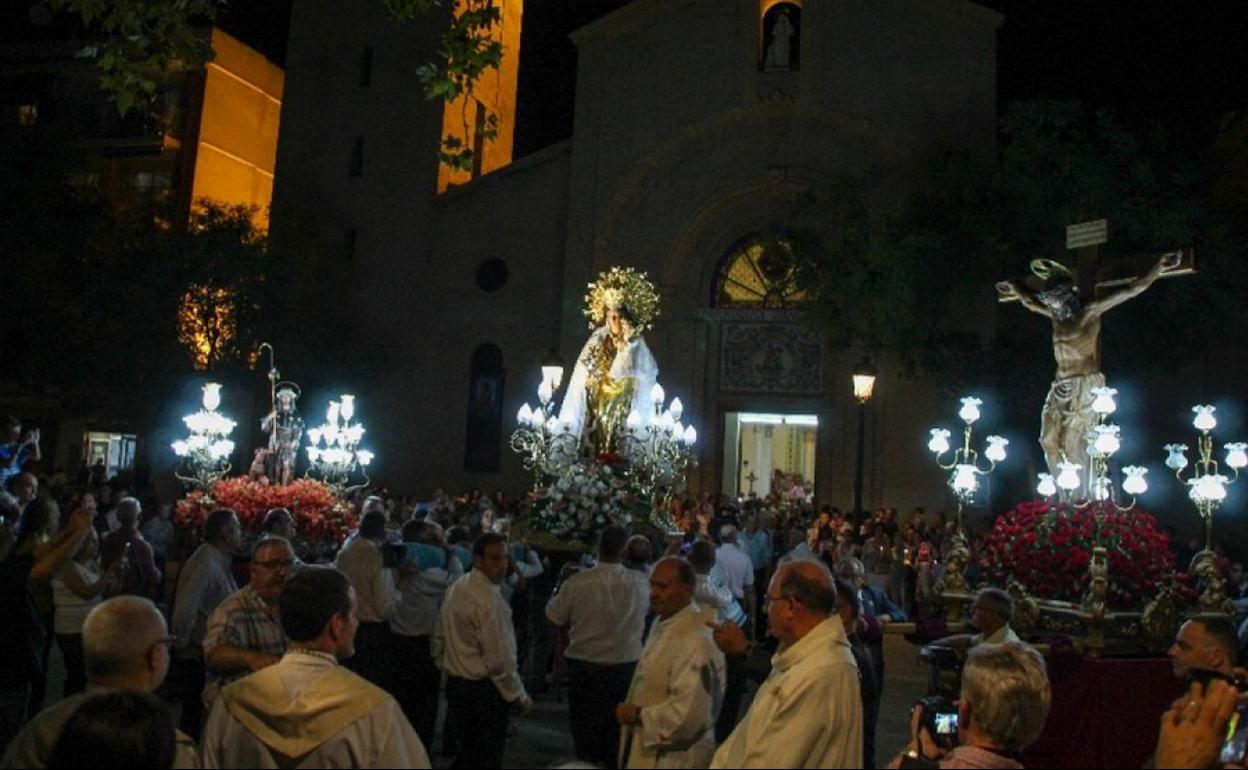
947, 724
1236, 738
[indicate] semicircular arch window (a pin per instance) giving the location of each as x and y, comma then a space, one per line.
762, 272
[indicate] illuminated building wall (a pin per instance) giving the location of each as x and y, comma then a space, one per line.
494, 93
236, 143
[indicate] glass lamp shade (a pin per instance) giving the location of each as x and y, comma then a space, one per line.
939, 443
666, 422
1237, 456
996, 448
212, 396
1068, 479
314, 435
1212, 487
1103, 402
864, 376
314, 454
553, 374
657, 394
970, 409
1135, 483
634, 420
1204, 420
1100, 489
365, 457
181, 449
1047, 487
347, 407
331, 414
691, 436
545, 392
526, 415
678, 430
1107, 440
965, 480
677, 408
1177, 460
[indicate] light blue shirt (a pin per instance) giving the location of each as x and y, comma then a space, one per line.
758, 547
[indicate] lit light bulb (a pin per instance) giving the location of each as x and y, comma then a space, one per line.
212, 396
996, 448
1068, 478
1237, 456
1107, 440
1204, 420
1213, 487
545, 392
657, 394
365, 457
526, 415
553, 374
181, 449
1100, 489
1103, 403
634, 420
331, 414
964, 479
1177, 460
970, 409
678, 408
347, 408
678, 429
691, 436
940, 441
1135, 483
1047, 487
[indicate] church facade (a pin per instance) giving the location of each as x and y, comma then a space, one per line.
697, 124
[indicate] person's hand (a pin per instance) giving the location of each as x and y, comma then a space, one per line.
922, 741
1193, 729
729, 638
626, 714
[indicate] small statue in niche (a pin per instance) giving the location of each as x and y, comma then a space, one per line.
778, 56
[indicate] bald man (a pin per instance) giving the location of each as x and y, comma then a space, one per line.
125, 645
809, 711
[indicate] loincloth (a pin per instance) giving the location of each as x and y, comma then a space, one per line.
1072, 397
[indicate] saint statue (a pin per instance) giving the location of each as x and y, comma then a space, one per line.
615, 370
1068, 417
777, 57
285, 428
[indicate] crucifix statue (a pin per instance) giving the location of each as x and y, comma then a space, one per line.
751, 478
1075, 301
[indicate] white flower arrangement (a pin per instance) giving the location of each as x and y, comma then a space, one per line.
588, 497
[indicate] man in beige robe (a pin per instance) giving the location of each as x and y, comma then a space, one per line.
808, 713
307, 711
669, 718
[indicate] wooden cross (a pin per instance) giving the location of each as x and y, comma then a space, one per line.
1094, 275
751, 478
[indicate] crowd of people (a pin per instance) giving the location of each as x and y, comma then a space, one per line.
275, 652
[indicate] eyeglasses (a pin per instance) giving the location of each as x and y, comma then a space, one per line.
770, 599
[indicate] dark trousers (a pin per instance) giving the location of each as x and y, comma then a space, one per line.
39, 685
477, 707
13, 701
416, 680
186, 681
373, 654
593, 693
75, 667
734, 690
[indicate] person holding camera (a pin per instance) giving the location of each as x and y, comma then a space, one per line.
16, 448
1005, 702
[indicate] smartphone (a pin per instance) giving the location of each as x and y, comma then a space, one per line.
947, 723
1236, 745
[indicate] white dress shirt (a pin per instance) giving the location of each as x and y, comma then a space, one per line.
737, 569
528, 568
375, 594
1003, 635
712, 594
205, 582
475, 638
422, 592
606, 607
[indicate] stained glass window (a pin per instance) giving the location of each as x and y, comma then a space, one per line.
761, 273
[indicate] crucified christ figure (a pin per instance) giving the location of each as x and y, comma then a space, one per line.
1068, 415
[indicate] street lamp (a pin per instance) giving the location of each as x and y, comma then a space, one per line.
864, 375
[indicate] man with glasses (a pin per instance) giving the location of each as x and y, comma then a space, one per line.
245, 632
126, 647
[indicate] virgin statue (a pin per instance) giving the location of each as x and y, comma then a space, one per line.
615, 371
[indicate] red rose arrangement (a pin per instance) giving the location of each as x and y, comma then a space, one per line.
318, 513
1048, 548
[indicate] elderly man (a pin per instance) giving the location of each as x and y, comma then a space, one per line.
808, 713
308, 711
476, 644
991, 615
245, 632
1207, 644
205, 581
668, 719
125, 644
606, 609
140, 576
1005, 702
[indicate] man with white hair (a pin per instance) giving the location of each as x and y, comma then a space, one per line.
125, 647
140, 576
1005, 702
808, 713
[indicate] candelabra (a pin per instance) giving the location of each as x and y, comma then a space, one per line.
965, 472
1207, 489
206, 451
1104, 441
546, 443
659, 453
335, 453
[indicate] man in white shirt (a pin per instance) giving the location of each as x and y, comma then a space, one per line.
308, 711
711, 593
475, 645
737, 571
669, 717
605, 608
808, 713
991, 614
417, 680
205, 580
363, 564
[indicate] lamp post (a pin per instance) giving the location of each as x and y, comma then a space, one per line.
864, 376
